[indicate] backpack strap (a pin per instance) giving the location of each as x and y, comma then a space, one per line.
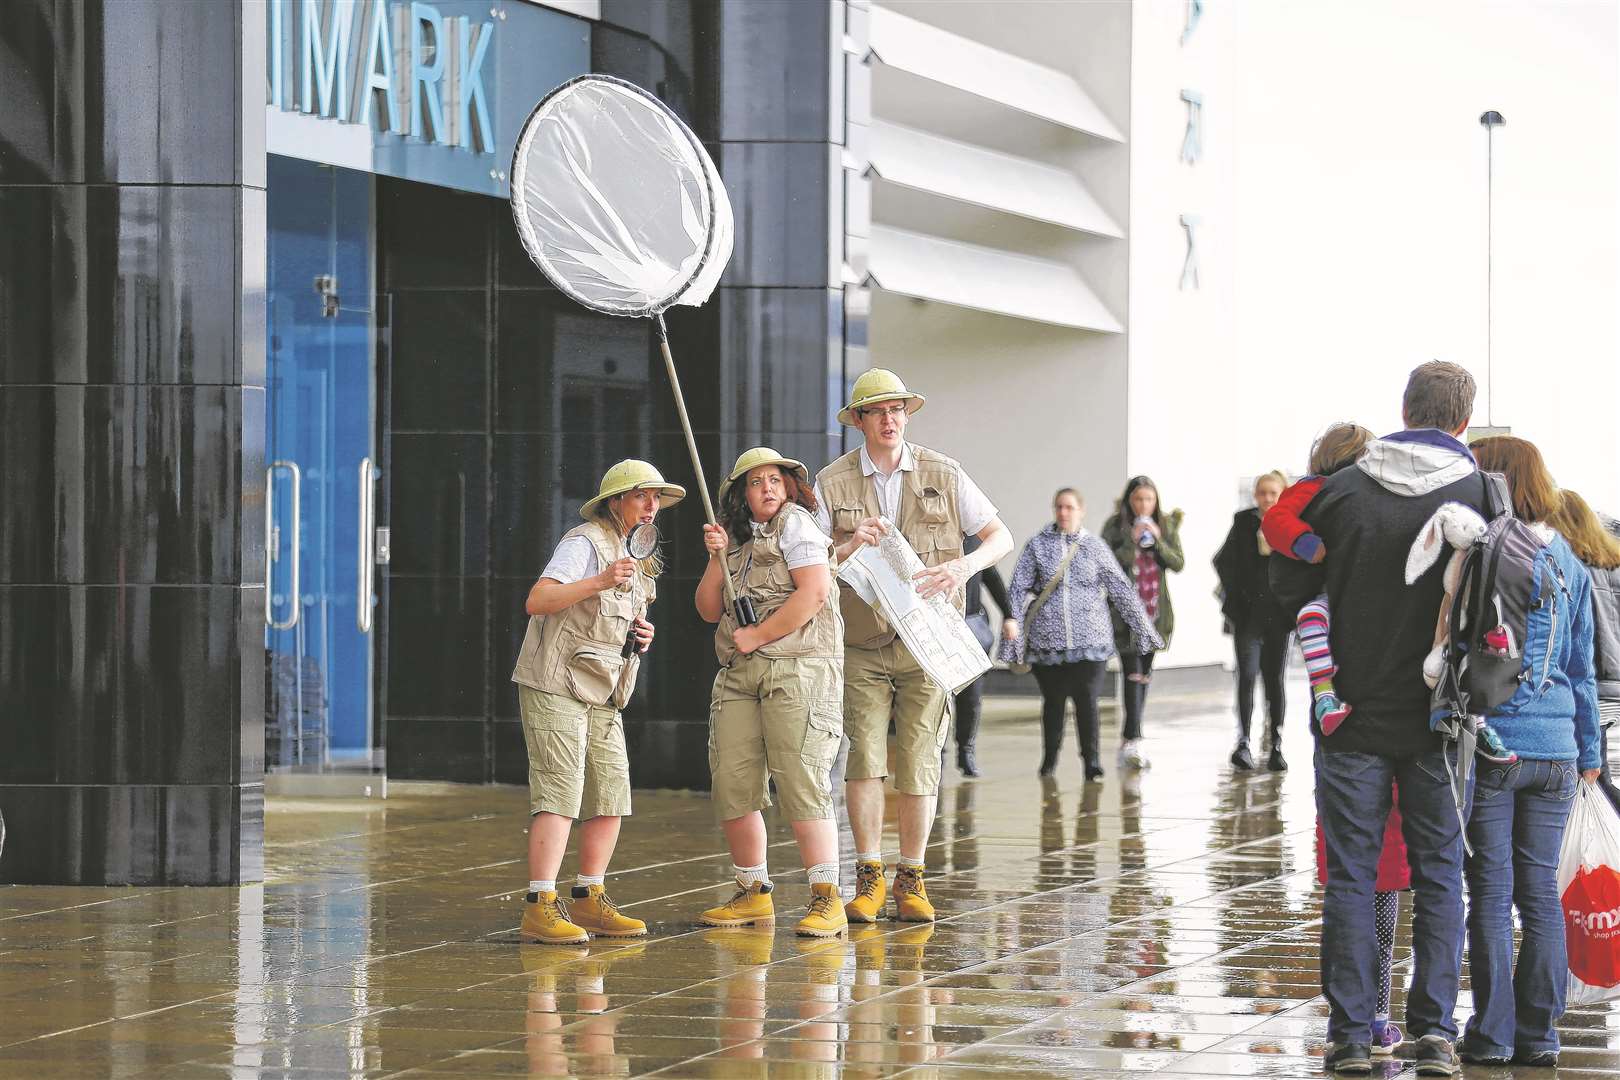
1498, 499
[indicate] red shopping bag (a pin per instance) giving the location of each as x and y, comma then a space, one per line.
1589, 884
1592, 926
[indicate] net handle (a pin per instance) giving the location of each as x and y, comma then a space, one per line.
691, 443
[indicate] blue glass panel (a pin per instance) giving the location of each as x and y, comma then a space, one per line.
320, 375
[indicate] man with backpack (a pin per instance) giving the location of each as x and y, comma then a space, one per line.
1382, 629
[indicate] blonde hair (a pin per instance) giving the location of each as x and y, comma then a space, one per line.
608, 514
1279, 477
1340, 445
1588, 539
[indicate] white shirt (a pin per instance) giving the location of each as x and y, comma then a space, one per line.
974, 508
801, 542
574, 560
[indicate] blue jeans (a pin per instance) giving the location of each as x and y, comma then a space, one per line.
1352, 802
1516, 830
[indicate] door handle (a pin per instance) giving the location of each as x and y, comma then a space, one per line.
272, 541
368, 554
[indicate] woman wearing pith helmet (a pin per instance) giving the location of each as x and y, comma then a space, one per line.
572, 681
777, 713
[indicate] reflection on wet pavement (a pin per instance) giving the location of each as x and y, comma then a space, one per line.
1165, 924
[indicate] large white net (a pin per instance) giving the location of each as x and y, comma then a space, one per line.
617, 201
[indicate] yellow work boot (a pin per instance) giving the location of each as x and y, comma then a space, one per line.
746, 946
910, 898
749, 905
546, 922
826, 916
595, 912
869, 893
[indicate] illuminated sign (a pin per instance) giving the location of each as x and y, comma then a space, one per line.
426, 91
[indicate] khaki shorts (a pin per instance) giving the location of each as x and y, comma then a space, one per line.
888, 682
578, 767
775, 720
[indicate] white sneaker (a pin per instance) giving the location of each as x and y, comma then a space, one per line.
1131, 755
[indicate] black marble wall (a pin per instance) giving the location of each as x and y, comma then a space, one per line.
131, 442
508, 401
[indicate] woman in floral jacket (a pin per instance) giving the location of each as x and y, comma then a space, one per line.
1070, 637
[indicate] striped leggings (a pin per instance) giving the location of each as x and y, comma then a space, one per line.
1313, 642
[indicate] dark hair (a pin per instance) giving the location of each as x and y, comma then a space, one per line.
1438, 395
1130, 489
1337, 447
738, 519
1535, 493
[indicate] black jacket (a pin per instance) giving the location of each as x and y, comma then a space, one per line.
1380, 627
1247, 599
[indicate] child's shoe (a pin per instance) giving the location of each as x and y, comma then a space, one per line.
1329, 712
1386, 1036
1489, 746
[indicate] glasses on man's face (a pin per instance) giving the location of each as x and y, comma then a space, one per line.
885, 411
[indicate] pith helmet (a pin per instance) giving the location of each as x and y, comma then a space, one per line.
633, 475
764, 455
878, 384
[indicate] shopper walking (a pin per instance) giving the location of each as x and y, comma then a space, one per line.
1596, 542
1147, 543
1074, 580
970, 699
1261, 628
1382, 629
1520, 808
777, 712
573, 678
889, 482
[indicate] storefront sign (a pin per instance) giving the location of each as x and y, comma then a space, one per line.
434, 92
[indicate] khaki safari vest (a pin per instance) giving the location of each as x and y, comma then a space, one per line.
759, 571
576, 652
928, 518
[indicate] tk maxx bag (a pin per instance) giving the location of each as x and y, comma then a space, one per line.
1589, 884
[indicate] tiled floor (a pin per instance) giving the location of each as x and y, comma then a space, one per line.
1166, 924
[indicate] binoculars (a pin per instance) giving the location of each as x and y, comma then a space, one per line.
744, 610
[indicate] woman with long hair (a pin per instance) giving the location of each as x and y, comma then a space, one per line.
777, 712
1147, 543
1069, 636
573, 677
1521, 807
1596, 543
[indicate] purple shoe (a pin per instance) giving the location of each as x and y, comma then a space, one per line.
1386, 1036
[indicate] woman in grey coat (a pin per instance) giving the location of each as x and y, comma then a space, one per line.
1594, 541
1071, 637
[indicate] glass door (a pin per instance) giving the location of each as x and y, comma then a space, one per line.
321, 528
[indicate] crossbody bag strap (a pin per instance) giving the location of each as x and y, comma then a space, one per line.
1057, 576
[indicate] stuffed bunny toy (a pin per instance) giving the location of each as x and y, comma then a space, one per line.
1455, 527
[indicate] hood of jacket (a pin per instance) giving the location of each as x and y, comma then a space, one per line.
1416, 462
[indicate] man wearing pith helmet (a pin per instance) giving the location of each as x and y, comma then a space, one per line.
934, 504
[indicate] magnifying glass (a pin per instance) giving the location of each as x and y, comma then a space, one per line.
642, 542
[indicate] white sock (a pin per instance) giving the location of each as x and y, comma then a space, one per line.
824, 874
915, 864
748, 875
869, 856
587, 879
543, 886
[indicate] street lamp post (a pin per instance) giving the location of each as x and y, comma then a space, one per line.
1490, 121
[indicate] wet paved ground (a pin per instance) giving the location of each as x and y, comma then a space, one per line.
1165, 925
